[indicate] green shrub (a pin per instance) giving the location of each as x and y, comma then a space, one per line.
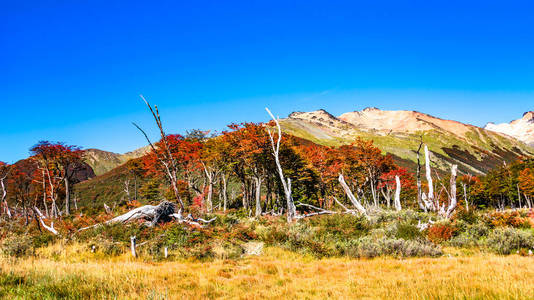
369, 247
471, 236
407, 231
16, 246
42, 240
505, 240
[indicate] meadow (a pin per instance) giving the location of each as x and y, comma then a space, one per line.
65, 272
485, 255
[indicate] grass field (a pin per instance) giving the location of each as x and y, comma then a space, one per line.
74, 274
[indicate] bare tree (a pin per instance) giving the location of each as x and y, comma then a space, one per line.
428, 199
418, 172
291, 209
164, 156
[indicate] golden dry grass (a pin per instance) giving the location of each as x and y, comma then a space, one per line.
276, 274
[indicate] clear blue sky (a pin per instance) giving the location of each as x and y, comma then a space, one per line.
72, 70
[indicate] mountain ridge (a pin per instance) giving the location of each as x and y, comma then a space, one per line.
521, 129
474, 149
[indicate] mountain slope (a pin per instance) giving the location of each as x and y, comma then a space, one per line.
104, 161
521, 129
474, 149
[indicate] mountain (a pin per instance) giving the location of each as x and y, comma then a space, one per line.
521, 129
474, 149
104, 161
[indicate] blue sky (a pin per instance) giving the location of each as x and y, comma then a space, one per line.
72, 70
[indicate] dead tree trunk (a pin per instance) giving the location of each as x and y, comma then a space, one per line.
418, 172
453, 203
224, 192
397, 194
350, 195
258, 181
291, 209
4, 196
465, 197
67, 195
165, 157
429, 199
133, 246
41, 218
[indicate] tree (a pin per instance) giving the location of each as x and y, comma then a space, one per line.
526, 184
4, 172
291, 209
388, 183
164, 155
58, 163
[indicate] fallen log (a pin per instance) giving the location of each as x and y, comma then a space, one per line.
165, 212
41, 218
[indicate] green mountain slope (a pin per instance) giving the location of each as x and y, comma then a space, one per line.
104, 161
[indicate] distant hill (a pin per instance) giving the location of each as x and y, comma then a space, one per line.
521, 129
104, 161
474, 149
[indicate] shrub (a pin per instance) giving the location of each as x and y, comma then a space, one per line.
340, 226
508, 218
407, 231
471, 236
369, 248
469, 217
16, 245
441, 232
506, 240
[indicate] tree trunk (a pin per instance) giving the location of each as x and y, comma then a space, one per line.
397, 194
419, 188
430, 195
224, 192
350, 195
4, 195
465, 197
291, 209
258, 196
67, 196
452, 205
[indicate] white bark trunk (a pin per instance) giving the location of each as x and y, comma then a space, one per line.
40, 216
397, 194
224, 192
453, 203
350, 195
429, 203
132, 246
258, 181
291, 209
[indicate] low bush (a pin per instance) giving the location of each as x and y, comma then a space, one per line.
369, 247
407, 231
16, 245
508, 218
471, 236
440, 232
506, 240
